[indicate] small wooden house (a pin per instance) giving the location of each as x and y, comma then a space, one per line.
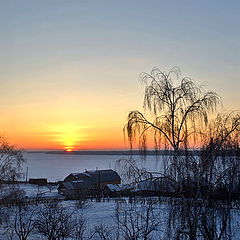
99, 177
88, 182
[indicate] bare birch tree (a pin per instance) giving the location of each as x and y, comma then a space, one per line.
54, 222
137, 221
11, 160
102, 232
23, 223
178, 110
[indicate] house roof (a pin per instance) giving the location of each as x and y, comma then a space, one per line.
107, 175
126, 187
76, 185
78, 175
155, 184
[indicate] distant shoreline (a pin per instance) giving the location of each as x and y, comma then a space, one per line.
130, 152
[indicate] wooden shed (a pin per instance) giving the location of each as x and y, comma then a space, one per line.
38, 181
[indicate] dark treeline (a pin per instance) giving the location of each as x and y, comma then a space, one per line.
229, 152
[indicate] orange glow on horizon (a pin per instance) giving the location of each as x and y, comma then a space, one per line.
68, 136
66, 122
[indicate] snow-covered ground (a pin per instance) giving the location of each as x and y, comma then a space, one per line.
31, 190
56, 167
96, 213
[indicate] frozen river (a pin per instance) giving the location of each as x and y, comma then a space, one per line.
55, 167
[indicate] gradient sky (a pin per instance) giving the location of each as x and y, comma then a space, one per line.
69, 68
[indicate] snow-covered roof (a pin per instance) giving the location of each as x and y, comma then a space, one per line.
155, 184
125, 187
76, 184
114, 187
107, 175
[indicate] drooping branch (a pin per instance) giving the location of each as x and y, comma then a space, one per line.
176, 109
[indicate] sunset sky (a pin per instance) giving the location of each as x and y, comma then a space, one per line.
69, 68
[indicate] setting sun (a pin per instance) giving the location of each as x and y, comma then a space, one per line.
68, 150
69, 136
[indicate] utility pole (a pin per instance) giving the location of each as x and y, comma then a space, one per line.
99, 186
27, 174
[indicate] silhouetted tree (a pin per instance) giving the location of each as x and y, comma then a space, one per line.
178, 110
11, 160
54, 222
137, 222
207, 181
80, 227
102, 232
23, 223
130, 170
